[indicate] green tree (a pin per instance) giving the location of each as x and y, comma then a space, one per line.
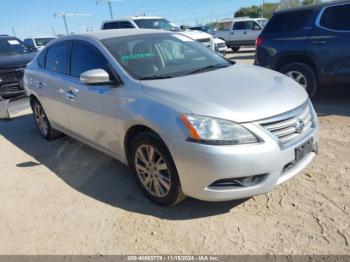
251, 11
255, 11
289, 4
311, 2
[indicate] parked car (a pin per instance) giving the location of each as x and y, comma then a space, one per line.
188, 121
220, 45
37, 43
309, 44
153, 22
14, 56
239, 32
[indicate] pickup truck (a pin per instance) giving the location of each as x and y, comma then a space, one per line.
237, 32
150, 22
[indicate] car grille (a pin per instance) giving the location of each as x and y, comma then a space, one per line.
204, 40
11, 75
292, 126
221, 45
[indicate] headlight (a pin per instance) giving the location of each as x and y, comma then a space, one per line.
210, 130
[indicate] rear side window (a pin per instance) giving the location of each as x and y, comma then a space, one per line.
85, 57
288, 22
57, 58
125, 24
117, 25
336, 18
112, 25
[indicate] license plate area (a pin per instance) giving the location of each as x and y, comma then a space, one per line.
303, 150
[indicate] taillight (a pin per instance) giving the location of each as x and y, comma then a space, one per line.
259, 41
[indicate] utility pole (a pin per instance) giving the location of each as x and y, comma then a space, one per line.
262, 8
109, 3
53, 31
211, 12
14, 33
64, 16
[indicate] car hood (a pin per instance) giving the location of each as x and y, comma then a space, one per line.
196, 35
20, 60
240, 93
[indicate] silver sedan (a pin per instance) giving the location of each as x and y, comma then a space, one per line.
186, 120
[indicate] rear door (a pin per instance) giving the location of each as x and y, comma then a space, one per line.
253, 29
237, 32
51, 81
331, 44
92, 109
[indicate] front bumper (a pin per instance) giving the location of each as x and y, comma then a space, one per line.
201, 165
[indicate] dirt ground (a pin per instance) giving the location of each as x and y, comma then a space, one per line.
62, 197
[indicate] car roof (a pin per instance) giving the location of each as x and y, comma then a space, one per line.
238, 19
132, 18
106, 34
316, 7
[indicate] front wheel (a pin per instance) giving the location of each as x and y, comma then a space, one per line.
155, 170
303, 75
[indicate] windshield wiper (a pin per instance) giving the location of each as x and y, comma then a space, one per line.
155, 77
206, 68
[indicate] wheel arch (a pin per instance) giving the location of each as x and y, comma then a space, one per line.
294, 59
132, 132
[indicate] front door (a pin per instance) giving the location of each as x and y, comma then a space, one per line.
92, 109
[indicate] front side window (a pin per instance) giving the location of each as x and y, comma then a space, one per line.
57, 58
156, 56
28, 42
336, 18
84, 58
12, 46
160, 23
43, 41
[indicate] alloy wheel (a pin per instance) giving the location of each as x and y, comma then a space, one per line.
298, 77
152, 171
41, 119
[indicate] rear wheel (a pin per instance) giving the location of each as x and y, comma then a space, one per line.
235, 48
42, 122
155, 170
304, 75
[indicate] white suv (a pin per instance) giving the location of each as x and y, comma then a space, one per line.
153, 22
239, 31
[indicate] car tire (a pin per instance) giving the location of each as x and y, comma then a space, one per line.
43, 123
235, 48
149, 155
304, 75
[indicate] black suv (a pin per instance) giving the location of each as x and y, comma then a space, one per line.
14, 56
309, 44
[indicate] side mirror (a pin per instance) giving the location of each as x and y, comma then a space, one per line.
95, 76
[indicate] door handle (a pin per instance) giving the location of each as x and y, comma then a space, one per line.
232, 33
319, 42
70, 95
245, 32
41, 85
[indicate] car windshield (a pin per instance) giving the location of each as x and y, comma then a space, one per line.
157, 23
12, 46
43, 41
159, 56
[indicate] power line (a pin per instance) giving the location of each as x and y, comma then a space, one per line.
64, 16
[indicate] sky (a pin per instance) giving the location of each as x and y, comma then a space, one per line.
36, 17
